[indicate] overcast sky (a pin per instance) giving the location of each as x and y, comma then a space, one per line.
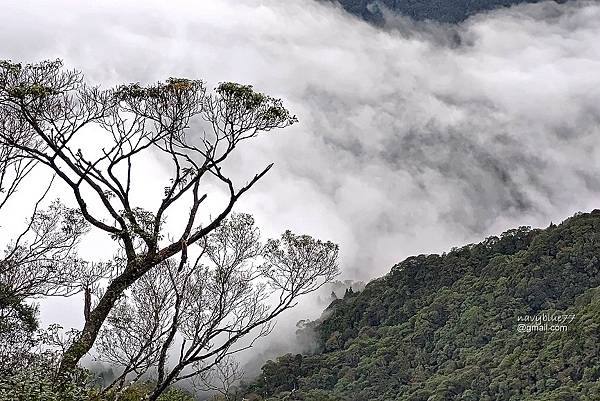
412, 138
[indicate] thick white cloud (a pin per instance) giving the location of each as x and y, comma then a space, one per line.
412, 139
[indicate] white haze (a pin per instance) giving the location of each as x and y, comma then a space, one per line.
412, 139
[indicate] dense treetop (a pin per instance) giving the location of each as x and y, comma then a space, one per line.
445, 327
452, 11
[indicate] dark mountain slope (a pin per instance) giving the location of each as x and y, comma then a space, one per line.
452, 11
447, 327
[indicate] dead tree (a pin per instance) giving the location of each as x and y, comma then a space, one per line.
41, 260
183, 320
48, 114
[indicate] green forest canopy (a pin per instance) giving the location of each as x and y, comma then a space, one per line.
445, 327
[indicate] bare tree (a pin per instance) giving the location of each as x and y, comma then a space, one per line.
40, 260
196, 311
13, 170
46, 113
222, 380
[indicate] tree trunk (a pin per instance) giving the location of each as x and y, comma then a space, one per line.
161, 387
135, 269
85, 341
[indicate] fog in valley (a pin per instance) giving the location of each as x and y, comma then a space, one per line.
412, 137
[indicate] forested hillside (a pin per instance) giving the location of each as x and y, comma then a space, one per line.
451, 11
451, 326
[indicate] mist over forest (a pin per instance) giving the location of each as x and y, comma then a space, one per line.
422, 127
426, 143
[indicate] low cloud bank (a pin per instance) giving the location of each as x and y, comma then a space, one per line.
412, 138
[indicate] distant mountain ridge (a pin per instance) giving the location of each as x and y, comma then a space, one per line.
458, 326
450, 11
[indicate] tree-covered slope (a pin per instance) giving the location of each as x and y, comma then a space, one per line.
452, 11
447, 327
